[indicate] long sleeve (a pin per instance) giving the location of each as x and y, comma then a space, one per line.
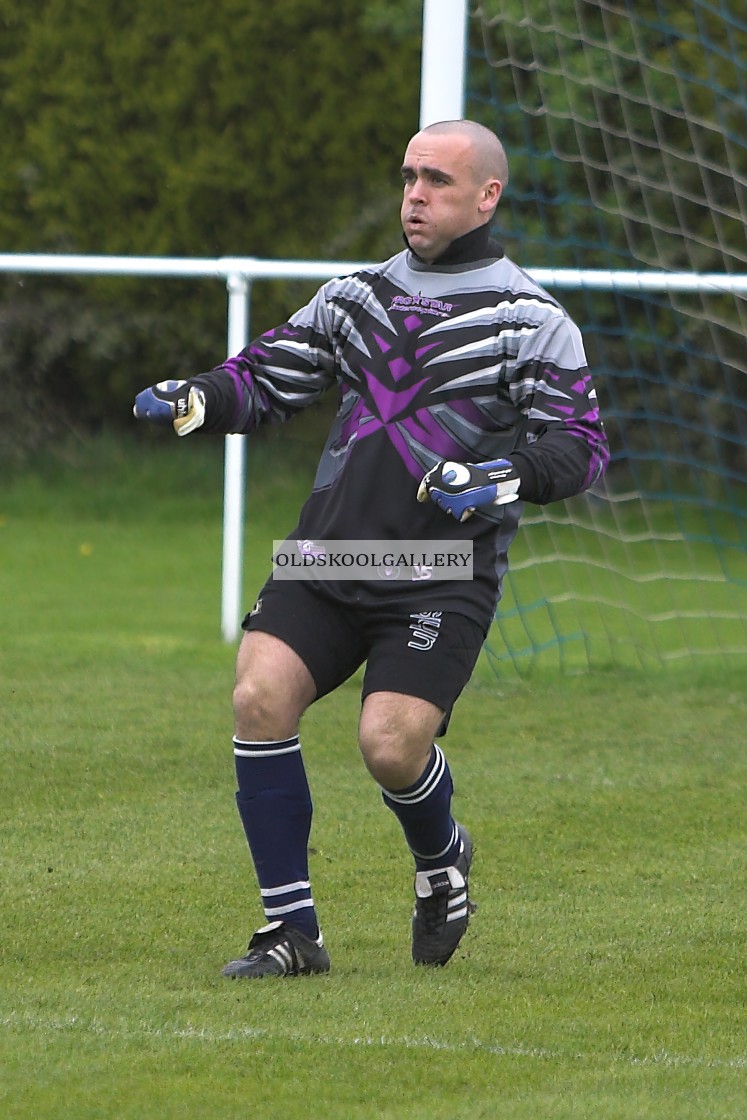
566, 447
280, 373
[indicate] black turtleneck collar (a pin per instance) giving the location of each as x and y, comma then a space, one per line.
470, 248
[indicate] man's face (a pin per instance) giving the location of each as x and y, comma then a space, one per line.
443, 196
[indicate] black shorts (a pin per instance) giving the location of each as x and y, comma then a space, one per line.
428, 654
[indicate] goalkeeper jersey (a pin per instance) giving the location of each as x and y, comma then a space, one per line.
466, 359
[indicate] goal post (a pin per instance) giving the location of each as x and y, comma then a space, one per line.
443, 61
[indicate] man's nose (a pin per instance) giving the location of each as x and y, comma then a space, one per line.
417, 191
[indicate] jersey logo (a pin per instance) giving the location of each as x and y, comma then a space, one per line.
422, 304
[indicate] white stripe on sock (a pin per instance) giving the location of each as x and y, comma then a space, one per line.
240, 752
273, 912
427, 786
437, 855
269, 892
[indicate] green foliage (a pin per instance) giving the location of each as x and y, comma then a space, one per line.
187, 129
190, 129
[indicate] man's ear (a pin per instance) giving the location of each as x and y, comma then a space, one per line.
491, 193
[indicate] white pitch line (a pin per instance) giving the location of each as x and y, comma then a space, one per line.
472, 1045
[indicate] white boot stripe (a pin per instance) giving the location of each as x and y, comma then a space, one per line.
280, 954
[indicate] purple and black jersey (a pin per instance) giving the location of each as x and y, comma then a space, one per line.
467, 361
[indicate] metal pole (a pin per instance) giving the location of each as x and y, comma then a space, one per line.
238, 286
443, 63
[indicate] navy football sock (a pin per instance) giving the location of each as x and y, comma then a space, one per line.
424, 812
274, 804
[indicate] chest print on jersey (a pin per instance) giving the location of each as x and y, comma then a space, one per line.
394, 396
422, 304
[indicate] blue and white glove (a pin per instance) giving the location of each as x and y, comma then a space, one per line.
461, 488
172, 402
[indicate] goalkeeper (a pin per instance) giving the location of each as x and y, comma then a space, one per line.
463, 393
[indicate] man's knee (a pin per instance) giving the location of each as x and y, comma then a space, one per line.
396, 737
258, 709
273, 689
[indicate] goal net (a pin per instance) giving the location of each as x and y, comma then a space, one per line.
625, 128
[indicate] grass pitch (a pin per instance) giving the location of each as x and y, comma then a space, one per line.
603, 974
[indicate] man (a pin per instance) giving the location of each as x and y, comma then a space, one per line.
463, 393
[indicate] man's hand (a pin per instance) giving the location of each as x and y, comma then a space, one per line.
172, 402
461, 488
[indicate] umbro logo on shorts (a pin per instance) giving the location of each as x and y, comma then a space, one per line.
425, 627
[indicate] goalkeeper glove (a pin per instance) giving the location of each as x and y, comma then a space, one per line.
172, 402
461, 488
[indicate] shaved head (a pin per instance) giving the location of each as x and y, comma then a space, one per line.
488, 155
453, 175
